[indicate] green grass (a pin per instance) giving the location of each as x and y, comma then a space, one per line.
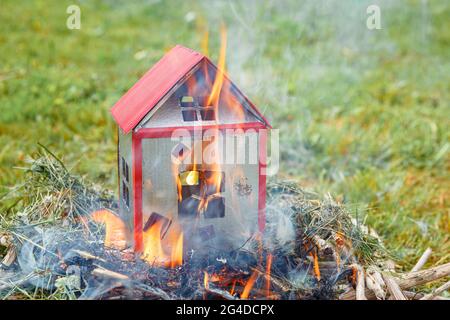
362, 114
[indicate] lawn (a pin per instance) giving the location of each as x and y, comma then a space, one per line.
363, 114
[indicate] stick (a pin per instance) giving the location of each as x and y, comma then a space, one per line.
154, 291
360, 288
217, 293
10, 256
413, 295
393, 288
418, 278
101, 272
87, 255
375, 282
437, 291
409, 280
273, 280
423, 259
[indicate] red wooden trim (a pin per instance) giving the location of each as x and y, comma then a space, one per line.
118, 165
166, 132
137, 192
262, 179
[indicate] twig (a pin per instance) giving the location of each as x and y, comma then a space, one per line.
101, 272
87, 255
221, 294
408, 280
421, 277
360, 291
273, 280
10, 256
393, 288
375, 282
154, 291
437, 291
423, 259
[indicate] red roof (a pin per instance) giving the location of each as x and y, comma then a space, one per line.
154, 85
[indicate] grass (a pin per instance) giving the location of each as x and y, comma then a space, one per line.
363, 114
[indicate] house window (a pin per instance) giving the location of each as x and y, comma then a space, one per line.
125, 182
126, 194
196, 109
125, 170
208, 114
199, 187
189, 115
187, 102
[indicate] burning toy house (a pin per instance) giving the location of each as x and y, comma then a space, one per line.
192, 205
191, 156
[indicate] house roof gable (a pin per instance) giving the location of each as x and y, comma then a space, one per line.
145, 94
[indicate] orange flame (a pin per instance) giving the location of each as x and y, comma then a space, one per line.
213, 100
116, 233
316, 265
233, 287
176, 257
249, 285
154, 252
218, 81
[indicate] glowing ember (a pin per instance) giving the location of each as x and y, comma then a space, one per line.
316, 265
206, 280
268, 268
249, 285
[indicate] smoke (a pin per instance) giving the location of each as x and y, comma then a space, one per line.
300, 60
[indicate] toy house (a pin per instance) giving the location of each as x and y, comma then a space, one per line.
164, 178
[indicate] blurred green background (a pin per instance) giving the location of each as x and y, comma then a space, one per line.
363, 114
